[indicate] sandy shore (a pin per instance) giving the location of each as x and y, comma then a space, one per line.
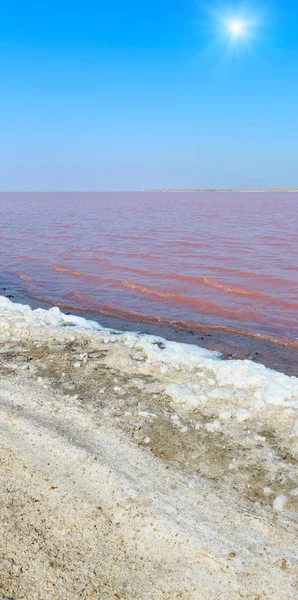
132, 471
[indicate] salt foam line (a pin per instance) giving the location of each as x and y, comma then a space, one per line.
215, 377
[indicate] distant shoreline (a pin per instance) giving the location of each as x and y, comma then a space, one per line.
221, 190
165, 190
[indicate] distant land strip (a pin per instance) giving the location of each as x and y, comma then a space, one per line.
222, 190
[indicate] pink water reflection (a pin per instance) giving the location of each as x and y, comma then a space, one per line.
225, 258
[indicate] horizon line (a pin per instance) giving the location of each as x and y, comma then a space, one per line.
150, 190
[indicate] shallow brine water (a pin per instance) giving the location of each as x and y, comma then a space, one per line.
230, 259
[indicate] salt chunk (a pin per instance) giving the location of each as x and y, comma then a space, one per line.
213, 426
147, 440
256, 403
259, 437
144, 413
242, 415
183, 394
225, 415
192, 483
77, 364
295, 428
279, 502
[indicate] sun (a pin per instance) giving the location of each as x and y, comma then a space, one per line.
237, 28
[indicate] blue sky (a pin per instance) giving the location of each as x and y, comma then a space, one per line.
120, 95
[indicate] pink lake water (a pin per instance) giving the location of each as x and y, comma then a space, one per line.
228, 259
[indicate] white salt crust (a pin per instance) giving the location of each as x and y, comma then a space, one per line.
248, 386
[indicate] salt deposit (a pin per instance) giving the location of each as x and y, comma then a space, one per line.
241, 382
280, 502
164, 450
242, 415
193, 378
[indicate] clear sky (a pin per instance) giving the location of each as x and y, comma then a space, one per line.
136, 94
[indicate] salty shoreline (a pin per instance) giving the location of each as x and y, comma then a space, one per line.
272, 351
133, 467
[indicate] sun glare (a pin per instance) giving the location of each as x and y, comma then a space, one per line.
233, 31
236, 28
